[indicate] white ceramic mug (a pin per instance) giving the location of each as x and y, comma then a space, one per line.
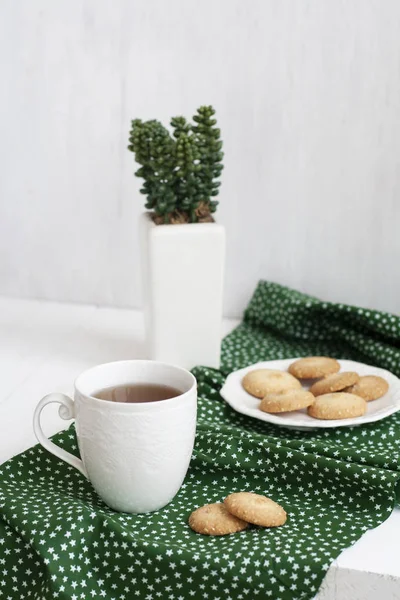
136, 455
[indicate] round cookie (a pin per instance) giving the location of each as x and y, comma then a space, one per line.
339, 405
255, 509
260, 382
286, 401
334, 383
214, 519
314, 366
369, 387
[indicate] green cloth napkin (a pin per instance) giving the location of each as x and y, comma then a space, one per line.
58, 540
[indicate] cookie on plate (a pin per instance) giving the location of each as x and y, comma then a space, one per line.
334, 383
260, 382
369, 387
286, 401
339, 405
255, 509
215, 519
313, 367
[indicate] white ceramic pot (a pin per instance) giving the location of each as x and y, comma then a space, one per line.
183, 272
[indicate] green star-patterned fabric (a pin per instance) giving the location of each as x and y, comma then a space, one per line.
58, 540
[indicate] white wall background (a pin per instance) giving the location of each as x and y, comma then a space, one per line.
308, 98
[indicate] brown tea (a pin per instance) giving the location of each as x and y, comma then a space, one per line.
137, 393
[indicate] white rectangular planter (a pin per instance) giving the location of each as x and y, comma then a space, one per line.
183, 271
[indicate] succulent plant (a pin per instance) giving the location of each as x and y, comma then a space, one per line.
180, 171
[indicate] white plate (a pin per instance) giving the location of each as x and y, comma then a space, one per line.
243, 402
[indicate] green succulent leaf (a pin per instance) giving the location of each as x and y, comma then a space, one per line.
180, 171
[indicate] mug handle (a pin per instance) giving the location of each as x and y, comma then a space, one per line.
66, 412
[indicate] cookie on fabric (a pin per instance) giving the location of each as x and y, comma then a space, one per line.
260, 382
334, 383
314, 366
255, 509
215, 519
369, 387
286, 401
339, 405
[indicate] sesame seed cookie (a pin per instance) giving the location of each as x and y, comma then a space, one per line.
255, 509
260, 382
314, 366
286, 401
369, 387
215, 519
334, 383
339, 405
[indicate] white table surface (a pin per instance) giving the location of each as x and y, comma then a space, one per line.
44, 346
